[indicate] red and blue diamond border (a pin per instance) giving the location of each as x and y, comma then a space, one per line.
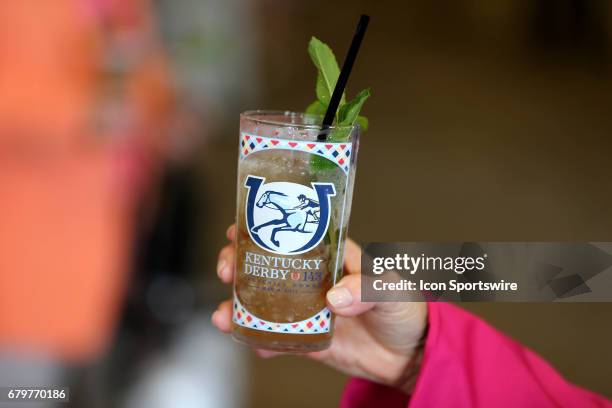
317, 324
339, 153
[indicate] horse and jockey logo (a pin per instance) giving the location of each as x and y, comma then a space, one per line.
287, 218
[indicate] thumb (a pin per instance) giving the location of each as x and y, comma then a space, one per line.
344, 298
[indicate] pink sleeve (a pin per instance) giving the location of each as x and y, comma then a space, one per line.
469, 364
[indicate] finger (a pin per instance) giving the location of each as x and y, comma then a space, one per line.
322, 355
231, 233
267, 353
225, 264
222, 317
344, 298
352, 257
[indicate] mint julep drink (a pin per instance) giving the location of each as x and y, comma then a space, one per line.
295, 185
294, 201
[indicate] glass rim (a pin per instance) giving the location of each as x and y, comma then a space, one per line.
251, 115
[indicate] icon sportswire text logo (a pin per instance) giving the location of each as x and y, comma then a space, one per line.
287, 218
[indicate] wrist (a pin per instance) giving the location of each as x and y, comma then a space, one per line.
409, 377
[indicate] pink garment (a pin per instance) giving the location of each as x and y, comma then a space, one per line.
469, 364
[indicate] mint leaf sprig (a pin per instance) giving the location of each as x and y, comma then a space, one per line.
327, 75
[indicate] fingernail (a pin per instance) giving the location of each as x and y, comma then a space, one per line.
340, 297
221, 266
212, 317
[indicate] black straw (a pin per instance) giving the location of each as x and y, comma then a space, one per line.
344, 74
